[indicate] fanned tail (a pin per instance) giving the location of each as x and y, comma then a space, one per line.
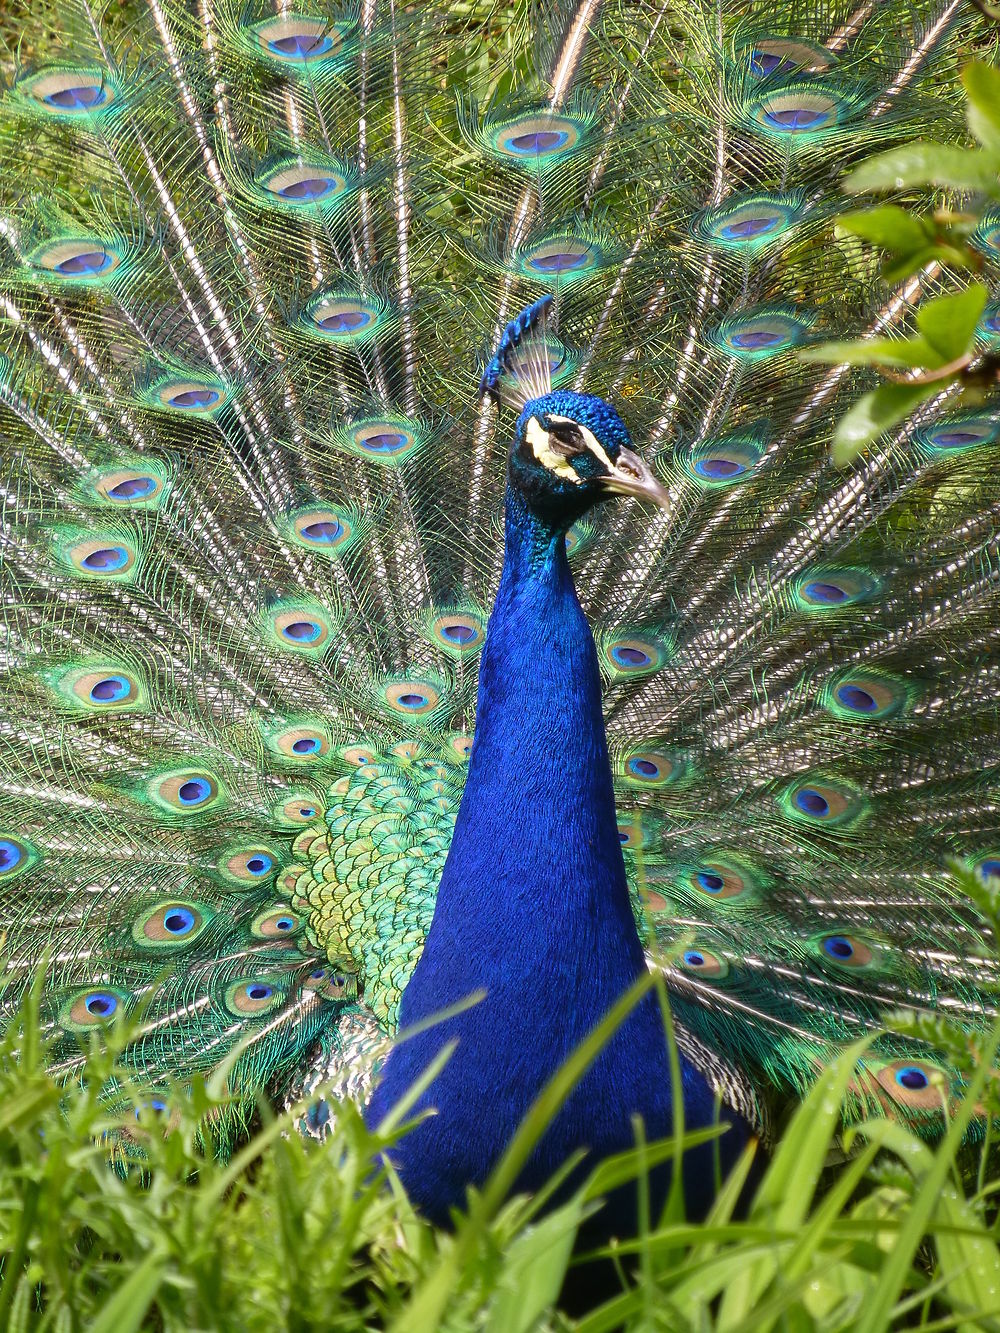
252, 266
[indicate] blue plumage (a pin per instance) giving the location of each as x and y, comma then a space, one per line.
533, 906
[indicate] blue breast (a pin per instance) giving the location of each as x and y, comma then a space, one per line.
533, 907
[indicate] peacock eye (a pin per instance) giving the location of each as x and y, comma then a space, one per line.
566, 438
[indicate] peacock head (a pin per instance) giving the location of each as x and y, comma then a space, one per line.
572, 451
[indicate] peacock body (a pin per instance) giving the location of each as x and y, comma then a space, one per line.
253, 265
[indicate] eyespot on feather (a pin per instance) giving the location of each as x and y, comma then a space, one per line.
411, 698
703, 963
67, 93
187, 396
458, 632
322, 530
300, 628
255, 996
170, 925
277, 923
106, 689
79, 261
300, 809
862, 696
187, 791
92, 1007
844, 950
109, 557
248, 865
633, 655
297, 40
828, 588
725, 461
652, 768
761, 334
823, 801
304, 743
295, 185
917, 1085
749, 222
16, 856
132, 488
356, 755
534, 140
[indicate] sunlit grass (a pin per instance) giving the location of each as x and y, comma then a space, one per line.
301, 1235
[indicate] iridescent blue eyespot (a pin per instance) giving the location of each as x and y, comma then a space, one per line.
259, 864
89, 262
912, 1078
100, 1004
710, 882
345, 321
990, 868
839, 947
718, 469
830, 594
83, 98
179, 921
285, 923
301, 45
745, 229
200, 397
302, 631
106, 560
312, 187
693, 958
257, 990
11, 855
385, 442
795, 119
627, 655
811, 802
133, 488
111, 690
194, 791
535, 141
323, 532
459, 633
307, 811
307, 745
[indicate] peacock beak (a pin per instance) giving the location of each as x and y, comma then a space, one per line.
631, 475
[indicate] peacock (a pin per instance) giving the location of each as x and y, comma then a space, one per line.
426, 586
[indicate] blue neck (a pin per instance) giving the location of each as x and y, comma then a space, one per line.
533, 907
536, 858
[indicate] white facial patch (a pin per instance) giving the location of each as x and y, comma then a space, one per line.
541, 447
589, 439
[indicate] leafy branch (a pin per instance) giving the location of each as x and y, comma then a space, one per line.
946, 349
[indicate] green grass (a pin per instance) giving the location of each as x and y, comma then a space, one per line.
293, 1234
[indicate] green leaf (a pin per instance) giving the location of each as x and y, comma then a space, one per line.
125, 1310
534, 1267
874, 413
889, 226
878, 1308
906, 353
898, 268
949, 322
982, 88
928, 164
